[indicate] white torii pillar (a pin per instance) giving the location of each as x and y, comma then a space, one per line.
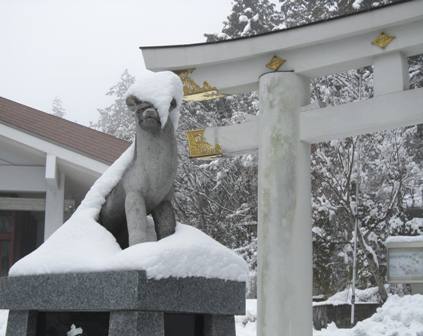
285, 264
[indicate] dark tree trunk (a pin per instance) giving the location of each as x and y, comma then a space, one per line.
373, 267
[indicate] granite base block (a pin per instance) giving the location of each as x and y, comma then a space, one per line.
127, 290
219, 325
134, 323
136, 305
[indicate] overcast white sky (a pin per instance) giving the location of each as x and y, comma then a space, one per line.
77, 49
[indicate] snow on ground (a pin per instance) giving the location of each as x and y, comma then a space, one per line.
399, 316
83, 245
246, 324
159, 88
368, 295
3, 321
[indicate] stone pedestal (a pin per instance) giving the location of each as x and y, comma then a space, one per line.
134, 323
127, 302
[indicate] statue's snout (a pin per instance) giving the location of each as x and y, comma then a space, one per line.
148, 118
150, 113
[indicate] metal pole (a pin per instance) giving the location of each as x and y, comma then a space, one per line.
357, 190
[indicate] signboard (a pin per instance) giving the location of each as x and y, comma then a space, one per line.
405, 265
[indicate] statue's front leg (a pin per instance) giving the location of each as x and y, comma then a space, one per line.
136, 218
164, 219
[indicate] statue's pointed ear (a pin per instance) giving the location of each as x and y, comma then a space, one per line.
172, 104
131, 102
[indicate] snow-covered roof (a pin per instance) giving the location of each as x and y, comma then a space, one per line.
67, 134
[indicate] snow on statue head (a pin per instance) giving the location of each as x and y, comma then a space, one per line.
159, 91
146, 186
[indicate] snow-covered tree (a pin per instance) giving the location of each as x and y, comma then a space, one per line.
388, 168
300, 12
57, 108
416, 71
219, 196
221, 191
248, 17
115, 119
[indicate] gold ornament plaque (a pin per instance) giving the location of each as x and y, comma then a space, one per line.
195, 92
383, 40
198, 147
275, 63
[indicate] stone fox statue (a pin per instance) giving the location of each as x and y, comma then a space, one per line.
146, 186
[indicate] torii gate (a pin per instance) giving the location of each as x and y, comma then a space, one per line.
286, 127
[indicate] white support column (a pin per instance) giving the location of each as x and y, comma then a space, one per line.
55, 197
285, 262
52, 178
390, 73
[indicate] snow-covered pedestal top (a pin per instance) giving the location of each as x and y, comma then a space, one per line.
82, 245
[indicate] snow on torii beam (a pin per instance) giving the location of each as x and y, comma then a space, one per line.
398, 109
313, 50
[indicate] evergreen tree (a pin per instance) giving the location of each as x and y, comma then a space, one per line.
57, 108
300, 12
388, 170
248, 17
416, 71
116, 119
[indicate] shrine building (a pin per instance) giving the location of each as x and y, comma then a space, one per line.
47, 164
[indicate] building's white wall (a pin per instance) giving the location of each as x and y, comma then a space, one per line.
23, 173
22, 178
11, 153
